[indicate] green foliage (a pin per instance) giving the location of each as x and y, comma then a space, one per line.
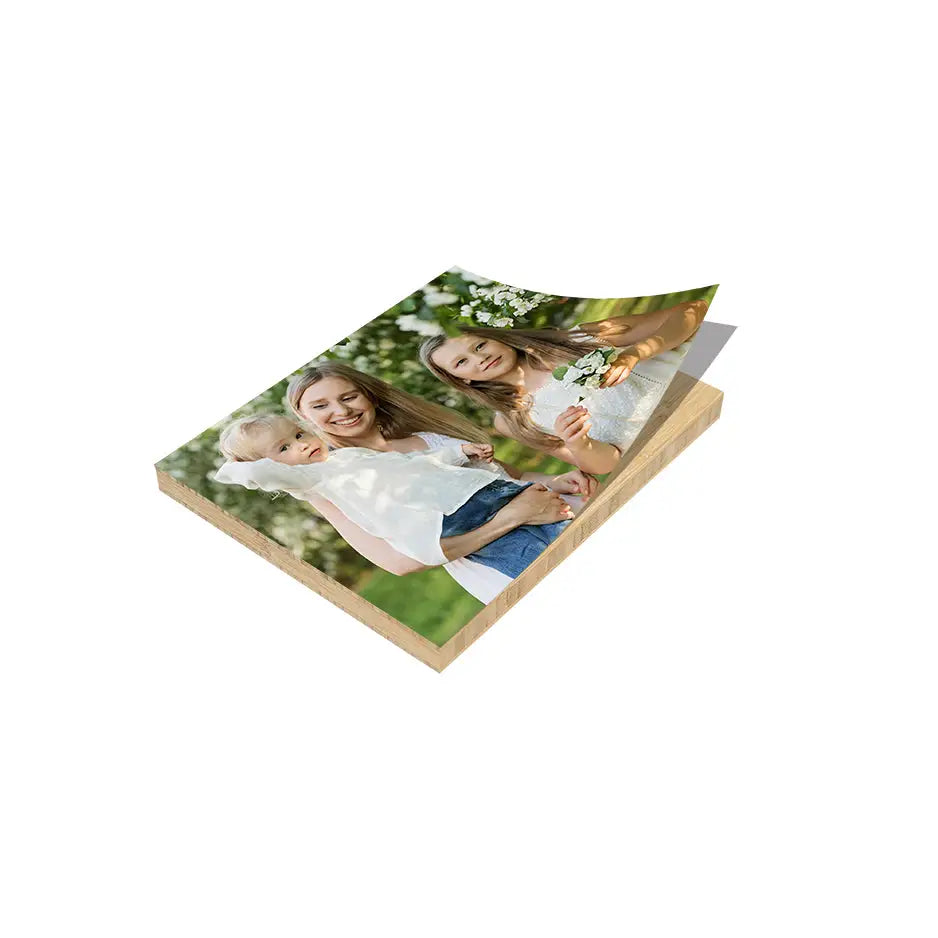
432, 603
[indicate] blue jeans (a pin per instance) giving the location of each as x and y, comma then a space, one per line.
511, 552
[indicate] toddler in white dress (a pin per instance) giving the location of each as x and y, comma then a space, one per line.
410, 500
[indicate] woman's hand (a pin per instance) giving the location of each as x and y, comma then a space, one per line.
620, 368
573, 425
537, 504
478, 451
576, 482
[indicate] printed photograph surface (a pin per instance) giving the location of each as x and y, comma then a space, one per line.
426, 460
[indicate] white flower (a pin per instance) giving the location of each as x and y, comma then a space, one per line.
571, 376
386, 344
502, 321
483, 316
411, 323
438, 298
586, 371
465, 310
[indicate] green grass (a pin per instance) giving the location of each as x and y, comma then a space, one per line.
431, 602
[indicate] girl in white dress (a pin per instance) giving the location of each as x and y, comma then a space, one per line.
509, 370
350, 408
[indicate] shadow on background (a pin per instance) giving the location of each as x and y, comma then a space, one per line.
707, 344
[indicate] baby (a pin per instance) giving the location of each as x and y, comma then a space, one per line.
410, 500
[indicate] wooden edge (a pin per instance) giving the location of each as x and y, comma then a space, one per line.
402, 635
686, 410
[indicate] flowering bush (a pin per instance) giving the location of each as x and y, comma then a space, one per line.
500, 306
408, 322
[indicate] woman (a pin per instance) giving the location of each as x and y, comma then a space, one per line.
509, 370
350, 408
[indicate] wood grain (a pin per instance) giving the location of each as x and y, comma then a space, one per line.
685, 411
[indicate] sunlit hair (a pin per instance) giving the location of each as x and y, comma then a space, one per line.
240, 441
398, 413
542, 349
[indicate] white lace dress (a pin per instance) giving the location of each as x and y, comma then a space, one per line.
617, 413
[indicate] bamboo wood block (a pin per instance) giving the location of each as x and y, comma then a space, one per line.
686, 410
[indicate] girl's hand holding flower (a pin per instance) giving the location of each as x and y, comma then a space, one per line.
588, 372
620, 368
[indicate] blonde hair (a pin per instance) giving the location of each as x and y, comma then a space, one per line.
542, 349
398, 413
238, 441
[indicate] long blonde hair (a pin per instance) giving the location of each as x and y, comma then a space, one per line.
542, 349
398, 413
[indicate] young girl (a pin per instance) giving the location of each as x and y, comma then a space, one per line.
410, 500
509, 370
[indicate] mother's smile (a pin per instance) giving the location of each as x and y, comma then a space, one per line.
347, 421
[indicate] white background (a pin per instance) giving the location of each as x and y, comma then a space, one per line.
717, 718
